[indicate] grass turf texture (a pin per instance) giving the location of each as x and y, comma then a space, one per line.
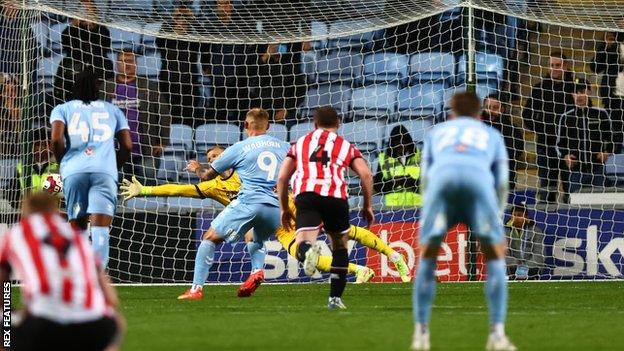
542, 316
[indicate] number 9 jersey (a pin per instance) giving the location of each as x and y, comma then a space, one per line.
90, 131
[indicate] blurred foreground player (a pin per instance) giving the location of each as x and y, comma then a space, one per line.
465, 176
318, 160
84, 131
69, 302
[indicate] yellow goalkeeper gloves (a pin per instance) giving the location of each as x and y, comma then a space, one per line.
132, 189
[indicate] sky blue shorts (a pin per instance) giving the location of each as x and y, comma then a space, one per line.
90, 193
237, 218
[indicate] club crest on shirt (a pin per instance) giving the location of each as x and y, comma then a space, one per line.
89, 151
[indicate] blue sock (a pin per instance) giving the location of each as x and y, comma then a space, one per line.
496, 290
99, 240
203, 262
424, 290
257, 252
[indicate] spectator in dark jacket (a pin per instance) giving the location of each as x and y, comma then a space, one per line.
584, 142
609, 61
549, 98
180, 78
10, 118
495, 115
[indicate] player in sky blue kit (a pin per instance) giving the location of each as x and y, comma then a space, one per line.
257, 161
83, 140
464, 173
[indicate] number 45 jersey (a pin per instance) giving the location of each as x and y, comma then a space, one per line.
90, 131
322, 157
257, 160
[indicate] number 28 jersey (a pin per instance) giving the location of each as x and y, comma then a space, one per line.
90, 131
257, 160
322, 157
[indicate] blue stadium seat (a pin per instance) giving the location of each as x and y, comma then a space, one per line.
375, 101
489, 68
212, 134
41, 31
483, 90
278, 131
432, 67
46, 70
299, 130
417, 128
56, 31
149, 40
614, 167
170, 168
123, 39
319, 30
351, 42
385, 68
180, 140
7, 171
146, 204
366, 135
336, 95
149, 65
342, 66
424, 100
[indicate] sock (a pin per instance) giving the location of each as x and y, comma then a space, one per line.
370, 240
99, 240
203, 262
257, 252
496, 291
338, 278
424, 290
303, 247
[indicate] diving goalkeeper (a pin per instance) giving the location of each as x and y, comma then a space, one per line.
225, 188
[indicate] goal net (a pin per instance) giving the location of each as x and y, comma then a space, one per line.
185, 73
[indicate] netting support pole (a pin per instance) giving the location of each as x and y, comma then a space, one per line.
471, 84
26, 156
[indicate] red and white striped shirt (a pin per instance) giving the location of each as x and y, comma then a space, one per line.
57, 268
322, 157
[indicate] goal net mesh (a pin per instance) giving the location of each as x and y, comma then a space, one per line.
186, 72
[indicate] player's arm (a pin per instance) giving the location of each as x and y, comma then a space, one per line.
125, 147
226, 161
134, 188
204, 173
500, 169
58, 140
360, 167
425, 161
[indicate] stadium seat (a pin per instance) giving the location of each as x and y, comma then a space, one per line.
417, 128
212, 134
123, 39
56, 31
320, 31
375, 101
7, 171
180, 140
149, 65
432, 67
351, 42
142, 204
614, 167
366, 135
41, 32
424, 100
339, 66
299, 130
278, 131
149, 40
47, 67
186, 204
489, 68
385, 68
483, 90
336, 95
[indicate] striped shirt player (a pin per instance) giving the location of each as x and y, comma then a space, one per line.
65, 293
318, 161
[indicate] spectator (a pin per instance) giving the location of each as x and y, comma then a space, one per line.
147, 112
495, 114
609, 61
282, 85
549, 98
30, 178
12, 36
525, 258
584, 142
399, 170
227, 65
86, 44
180, 79
10, 118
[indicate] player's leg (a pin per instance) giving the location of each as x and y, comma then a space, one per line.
76, 191
372, 241
308, 222
102, 205
335, 216
257, 252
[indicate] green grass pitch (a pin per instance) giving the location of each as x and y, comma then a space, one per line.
542, 316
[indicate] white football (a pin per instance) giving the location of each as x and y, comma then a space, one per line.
53, 184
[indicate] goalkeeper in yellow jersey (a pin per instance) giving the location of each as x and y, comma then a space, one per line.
225, 188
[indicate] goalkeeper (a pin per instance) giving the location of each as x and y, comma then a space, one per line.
224, 189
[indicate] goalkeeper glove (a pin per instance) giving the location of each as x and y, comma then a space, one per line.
132, 189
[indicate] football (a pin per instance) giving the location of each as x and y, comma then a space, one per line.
53, 184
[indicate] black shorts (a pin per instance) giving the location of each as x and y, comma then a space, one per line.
314, 210
35, 333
